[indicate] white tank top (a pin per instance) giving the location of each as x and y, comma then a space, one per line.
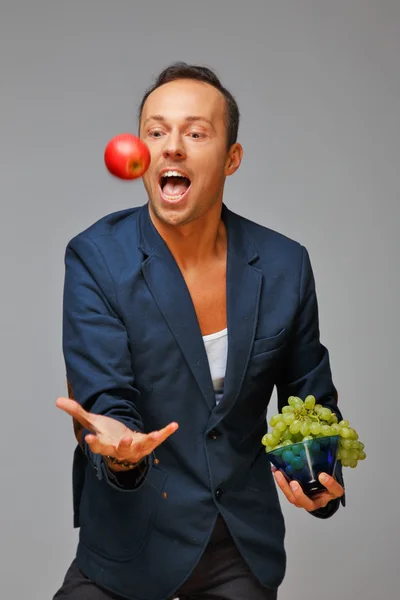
216, 345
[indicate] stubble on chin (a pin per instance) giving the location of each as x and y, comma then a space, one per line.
171, 217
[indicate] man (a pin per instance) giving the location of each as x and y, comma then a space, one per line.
179, 319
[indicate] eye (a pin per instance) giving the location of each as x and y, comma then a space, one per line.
195, 135
155, 134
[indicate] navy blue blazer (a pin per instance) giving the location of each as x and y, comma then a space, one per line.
134, 351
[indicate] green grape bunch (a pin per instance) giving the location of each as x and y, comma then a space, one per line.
301, 421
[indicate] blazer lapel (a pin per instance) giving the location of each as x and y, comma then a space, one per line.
243, 297
172, 297
170, 292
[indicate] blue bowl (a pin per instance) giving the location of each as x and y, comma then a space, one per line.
304, 461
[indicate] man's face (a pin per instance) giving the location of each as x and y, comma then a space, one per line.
183, 124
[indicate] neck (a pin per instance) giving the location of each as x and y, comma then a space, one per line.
197, 243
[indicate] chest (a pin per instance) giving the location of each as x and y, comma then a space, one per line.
207, 290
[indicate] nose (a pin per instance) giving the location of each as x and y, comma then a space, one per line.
174, 147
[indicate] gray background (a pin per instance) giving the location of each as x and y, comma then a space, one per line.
318, 86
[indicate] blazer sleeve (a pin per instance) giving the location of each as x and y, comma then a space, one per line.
306, 366
96, 349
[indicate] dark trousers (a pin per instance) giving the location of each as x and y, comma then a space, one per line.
221, 574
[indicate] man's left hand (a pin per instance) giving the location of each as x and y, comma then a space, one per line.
296, 496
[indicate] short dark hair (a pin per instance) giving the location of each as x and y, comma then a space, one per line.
181, 70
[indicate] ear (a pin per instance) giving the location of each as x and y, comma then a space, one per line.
233, 159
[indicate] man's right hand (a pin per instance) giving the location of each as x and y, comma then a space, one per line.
110, 437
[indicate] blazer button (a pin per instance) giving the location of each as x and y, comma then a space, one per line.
213, 434
218, 494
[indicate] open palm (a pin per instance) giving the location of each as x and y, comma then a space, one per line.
110, 437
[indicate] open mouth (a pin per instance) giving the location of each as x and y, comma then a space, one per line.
174, 185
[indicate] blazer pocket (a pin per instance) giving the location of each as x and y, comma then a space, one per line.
116, 524
268, 344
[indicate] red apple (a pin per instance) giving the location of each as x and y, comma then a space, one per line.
126, 156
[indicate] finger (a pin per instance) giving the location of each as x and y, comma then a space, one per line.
119, 452
302, 500
334, 488
321, 499
68, 405
144, 444
98, 447
75, 410
134, 446
124, 446
284, 486
125, 441
155, 438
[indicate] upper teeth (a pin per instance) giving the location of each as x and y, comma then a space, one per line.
172, 174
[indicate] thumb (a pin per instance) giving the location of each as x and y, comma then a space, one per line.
69, 406
75, 410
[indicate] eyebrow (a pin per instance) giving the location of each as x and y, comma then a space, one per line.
189, 119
